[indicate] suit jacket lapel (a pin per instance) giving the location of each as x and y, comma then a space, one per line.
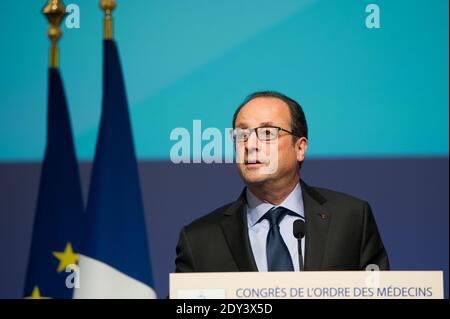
317, 222
235, 228
317, 216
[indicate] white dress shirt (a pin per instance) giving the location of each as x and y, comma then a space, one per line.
256, 208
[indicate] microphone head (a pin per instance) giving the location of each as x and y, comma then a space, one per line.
299, 229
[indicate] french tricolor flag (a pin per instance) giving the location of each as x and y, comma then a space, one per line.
115, 259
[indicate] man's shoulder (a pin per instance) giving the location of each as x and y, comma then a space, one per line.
337, 199
325, 196
334, 195
212, 218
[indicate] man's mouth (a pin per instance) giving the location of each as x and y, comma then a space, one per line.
253, 163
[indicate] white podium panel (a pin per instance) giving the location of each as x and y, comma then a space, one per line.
308, 285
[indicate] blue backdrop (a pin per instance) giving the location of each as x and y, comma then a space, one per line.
376, 101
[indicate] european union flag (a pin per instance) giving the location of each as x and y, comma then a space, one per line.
56, 234
115, 260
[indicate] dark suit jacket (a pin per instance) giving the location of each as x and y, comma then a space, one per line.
341, 234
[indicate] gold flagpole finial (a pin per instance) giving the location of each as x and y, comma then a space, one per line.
55, 11
108, 6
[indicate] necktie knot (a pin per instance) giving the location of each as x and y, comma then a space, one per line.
275, 215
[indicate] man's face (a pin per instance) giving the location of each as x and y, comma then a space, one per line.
266, 161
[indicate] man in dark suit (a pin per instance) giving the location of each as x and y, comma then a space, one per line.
255, 233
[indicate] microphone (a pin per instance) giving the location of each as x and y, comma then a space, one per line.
299, 233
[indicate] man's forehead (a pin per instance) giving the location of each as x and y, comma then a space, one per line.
264, 111
266, 100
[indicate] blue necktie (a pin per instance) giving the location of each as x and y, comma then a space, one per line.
278, 257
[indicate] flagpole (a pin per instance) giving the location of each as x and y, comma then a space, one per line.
108, 6
55, 11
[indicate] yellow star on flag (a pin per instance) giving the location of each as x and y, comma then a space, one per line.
66, 258
36, 294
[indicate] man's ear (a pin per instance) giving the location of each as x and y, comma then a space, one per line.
301, 145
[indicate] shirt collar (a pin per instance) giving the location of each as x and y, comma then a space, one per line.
256, 208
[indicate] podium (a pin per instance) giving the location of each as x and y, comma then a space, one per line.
308, 285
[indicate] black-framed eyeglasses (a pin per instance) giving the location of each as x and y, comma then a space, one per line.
264, 133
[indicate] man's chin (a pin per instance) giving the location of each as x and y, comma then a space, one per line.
255, 176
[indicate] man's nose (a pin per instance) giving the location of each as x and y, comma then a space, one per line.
252, 142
